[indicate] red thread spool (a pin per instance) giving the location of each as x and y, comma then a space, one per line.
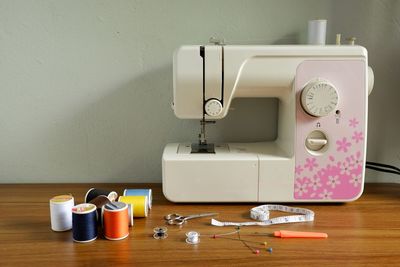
115, 221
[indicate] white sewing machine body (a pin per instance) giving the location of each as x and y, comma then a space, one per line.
319, 153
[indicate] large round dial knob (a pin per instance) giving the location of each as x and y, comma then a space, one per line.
213, 107
319, 98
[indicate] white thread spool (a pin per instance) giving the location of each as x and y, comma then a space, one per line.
61, 212
193, 237
317, 32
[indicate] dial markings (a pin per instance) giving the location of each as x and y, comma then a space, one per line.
319, 98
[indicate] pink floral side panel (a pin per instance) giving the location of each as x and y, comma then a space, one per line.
338, 173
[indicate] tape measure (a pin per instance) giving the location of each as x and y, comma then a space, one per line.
261, 216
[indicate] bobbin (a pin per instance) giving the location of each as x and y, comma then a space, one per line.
192, 238
160, 232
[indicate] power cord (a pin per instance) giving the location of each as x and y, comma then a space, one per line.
382, 167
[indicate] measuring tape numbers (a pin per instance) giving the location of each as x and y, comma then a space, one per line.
261, 216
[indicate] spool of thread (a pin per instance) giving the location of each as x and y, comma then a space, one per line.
160, 233
84, 223
115, 221
192, 237
99, 202
140, 192
92, 193
60, 212
317, 32
130, 214
139, 203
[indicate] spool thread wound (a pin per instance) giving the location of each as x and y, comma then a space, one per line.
60, 212
192, 237
160, 232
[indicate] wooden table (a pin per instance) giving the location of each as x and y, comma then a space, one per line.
365, 232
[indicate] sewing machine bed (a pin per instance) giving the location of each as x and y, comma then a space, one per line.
268, 150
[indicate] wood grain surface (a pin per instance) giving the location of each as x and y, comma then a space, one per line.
362, 233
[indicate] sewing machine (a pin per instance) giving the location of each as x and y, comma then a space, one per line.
319, 153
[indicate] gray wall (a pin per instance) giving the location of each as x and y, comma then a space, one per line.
86, 86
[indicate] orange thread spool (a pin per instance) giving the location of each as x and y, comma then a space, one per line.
115, 221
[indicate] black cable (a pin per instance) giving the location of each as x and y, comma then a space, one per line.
382, 170
382, 165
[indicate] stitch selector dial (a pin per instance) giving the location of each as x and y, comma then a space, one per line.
319, 98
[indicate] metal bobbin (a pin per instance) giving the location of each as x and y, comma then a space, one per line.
160, 233
193, 237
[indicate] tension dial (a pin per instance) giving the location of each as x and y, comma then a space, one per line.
319, 98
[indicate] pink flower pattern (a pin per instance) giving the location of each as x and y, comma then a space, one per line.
301, 186
325, 194
355, 180
333, 181
339, 176
353, 123
345, 168
298, 170
355, 160
315, 183
357, 136
310, 164
343, 145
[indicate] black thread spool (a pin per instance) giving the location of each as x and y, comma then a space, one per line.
84, 223
160, 233
92, 193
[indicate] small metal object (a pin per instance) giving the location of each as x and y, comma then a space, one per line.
338, 39
177, 219
192, 238
202, 146
351, 40
160, 233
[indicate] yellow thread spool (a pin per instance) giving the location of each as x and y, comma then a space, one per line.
139, 203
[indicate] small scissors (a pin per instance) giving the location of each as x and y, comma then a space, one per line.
177, 219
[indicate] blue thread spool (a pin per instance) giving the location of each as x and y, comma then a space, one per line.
84, 223
140, 192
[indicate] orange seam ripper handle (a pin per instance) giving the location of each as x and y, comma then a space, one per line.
296, 234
